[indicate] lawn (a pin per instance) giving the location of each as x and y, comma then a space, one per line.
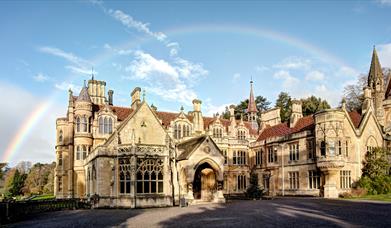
381, 197
43, 197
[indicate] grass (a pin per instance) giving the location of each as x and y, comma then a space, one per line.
43, 197
381, 197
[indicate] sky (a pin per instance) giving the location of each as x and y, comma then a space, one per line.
176, 51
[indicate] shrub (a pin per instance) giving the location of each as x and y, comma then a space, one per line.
254, 191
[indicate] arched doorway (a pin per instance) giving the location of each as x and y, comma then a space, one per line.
204, 184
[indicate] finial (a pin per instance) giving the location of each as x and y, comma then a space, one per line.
182, 108
92, 73
143, 94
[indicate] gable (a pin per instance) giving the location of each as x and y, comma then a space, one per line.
199, 147
142, 127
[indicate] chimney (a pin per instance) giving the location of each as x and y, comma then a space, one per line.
110, 94
197, 105
232, 119
297, 113
198, 120
135, 98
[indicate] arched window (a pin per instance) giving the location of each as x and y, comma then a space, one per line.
175, 131
101, 125
84, 152
179, 131
106, 122
323, 148
187, 127
149, 176
60, 136
78, 124
78, 153
110, 125
90, 124
84, 124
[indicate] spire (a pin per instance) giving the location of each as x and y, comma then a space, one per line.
252, 107
83, 95
375, 70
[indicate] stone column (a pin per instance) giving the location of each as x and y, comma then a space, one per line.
330, 187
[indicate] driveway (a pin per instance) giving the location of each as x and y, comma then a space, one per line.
281, 212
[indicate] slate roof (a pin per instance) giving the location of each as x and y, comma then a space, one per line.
189, 146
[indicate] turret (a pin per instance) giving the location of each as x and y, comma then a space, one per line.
110, 95
135, 97
96, 90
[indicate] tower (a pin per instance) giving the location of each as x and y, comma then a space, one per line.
252, 108
376, 84
96, 90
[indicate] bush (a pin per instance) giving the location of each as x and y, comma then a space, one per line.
254, 191
376, 185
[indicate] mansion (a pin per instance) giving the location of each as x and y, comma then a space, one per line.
138, 156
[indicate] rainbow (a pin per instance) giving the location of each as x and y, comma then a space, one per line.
25, 129
31, 120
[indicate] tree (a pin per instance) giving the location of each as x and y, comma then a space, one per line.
226, 113
253, 191
284, 103
15, 189
312, 105
376, 177
262, 103
354, 94
39, 180
2, 166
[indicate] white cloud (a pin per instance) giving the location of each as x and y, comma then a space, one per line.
384, 2
347, 71
293, 63
384, 52
174, 48
288, 80
38, 145
172, 81
211, 109
261, 68
235, 77
81, 70
70, 57
314, 76
66, 86
130, 22
41, 77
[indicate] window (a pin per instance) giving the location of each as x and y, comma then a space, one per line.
294, 152
347, 148
60, 159
239, 158
313, 179
345, 179
225, 157
101, 125
84, 124
105, 125
59, 184
339, 147
331, 148
241, 182
217, 132
90, 124
272, 154
293, 180
84, 152
179, 131
241, 134
149, 175
310, 147
60, 136
78, 151
258, 157
187, 130
78, 124
323, 148
124, 175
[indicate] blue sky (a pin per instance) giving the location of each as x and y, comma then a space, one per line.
178, 51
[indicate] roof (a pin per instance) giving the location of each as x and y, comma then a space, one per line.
303, 124
83, 95
252, 107
189, 146
356, 118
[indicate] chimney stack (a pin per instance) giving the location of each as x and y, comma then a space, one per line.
297, 112
135, 97
197, 105
110, 94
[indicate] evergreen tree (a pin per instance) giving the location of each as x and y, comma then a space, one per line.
17, 184
284, 103
253, 191
313, 104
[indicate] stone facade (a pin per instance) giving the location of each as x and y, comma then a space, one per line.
137, 156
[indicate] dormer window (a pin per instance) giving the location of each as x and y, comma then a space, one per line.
105, 125
241, 134
217, 132
181, 130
